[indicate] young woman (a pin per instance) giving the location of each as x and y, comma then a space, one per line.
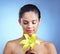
29, 19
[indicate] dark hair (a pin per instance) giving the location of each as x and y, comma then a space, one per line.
27, 8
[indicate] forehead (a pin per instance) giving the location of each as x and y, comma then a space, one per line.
30, 16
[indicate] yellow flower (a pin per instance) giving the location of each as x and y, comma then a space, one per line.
29, 41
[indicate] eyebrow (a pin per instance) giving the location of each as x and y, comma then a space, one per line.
27, 20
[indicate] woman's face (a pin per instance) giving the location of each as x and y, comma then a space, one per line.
29, 22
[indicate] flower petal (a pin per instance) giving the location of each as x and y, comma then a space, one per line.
33, 36
26, 36
24, 42
25, 46
37, 42
32, 46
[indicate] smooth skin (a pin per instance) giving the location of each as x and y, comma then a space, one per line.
29, 21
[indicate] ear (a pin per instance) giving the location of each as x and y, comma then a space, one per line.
19, 21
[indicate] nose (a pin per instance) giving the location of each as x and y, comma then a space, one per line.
30, 25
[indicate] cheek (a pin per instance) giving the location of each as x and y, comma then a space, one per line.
24, 26
36, 26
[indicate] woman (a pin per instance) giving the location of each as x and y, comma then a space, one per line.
29, 19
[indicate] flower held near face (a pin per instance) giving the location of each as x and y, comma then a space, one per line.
29, 41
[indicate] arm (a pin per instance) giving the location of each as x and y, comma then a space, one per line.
8, 48
51, 48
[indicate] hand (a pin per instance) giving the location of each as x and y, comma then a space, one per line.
30, 52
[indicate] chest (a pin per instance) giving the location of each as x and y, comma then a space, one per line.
38, 49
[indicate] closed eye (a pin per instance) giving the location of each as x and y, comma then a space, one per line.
34, 22
25, 22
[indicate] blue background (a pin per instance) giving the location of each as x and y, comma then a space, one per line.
48, 30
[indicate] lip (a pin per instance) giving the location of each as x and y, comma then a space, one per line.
30, 30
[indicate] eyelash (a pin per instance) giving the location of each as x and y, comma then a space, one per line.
27, 23
33, 22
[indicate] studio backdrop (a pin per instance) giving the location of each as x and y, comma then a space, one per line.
49, 28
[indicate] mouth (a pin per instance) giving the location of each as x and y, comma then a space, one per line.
30, 30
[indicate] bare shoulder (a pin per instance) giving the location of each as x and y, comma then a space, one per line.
13, 43
48, 44
10, 46
10, 43
51, 47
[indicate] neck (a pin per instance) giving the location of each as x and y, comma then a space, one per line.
29, 36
